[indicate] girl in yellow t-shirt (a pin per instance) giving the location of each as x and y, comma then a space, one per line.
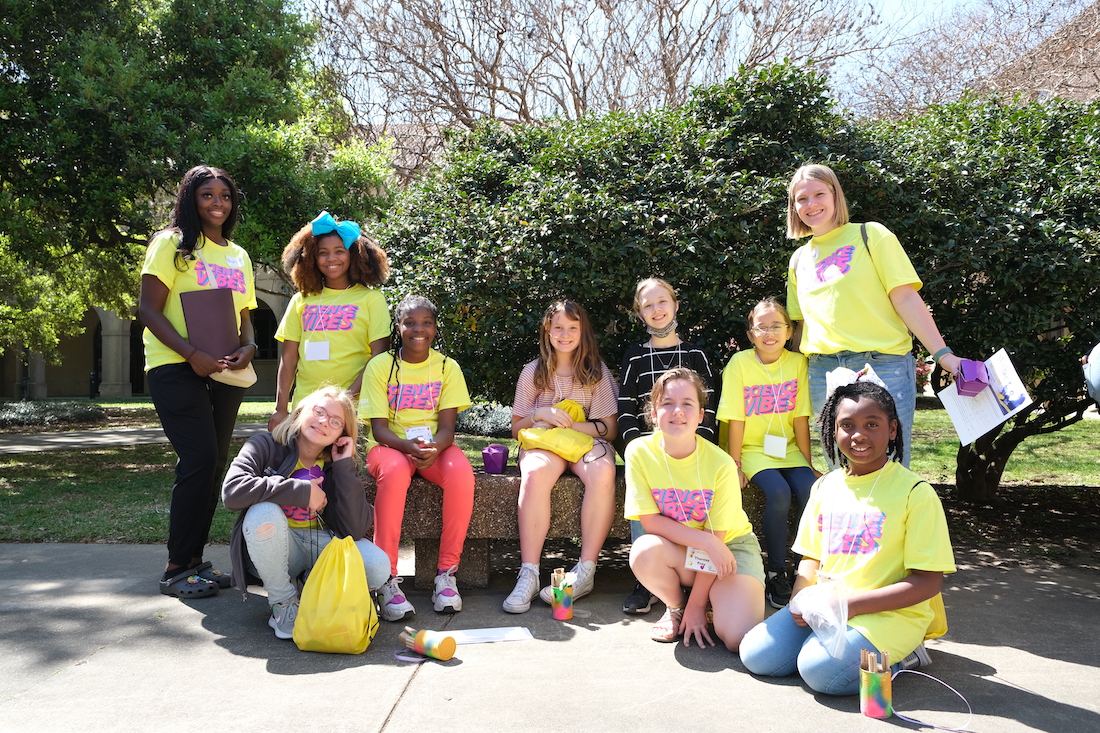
684, 490
873, 534
766, 402
338, 320
411, 397
197, 412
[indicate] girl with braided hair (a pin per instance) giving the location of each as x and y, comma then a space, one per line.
874, 543
411, 398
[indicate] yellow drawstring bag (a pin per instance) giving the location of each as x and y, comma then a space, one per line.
336, 613
568, 443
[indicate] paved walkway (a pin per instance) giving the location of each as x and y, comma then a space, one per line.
35, 442
89, 644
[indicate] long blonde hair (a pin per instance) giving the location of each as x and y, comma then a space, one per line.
291, 425
796, 228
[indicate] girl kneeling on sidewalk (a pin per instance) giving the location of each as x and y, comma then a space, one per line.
282, 482
685, 492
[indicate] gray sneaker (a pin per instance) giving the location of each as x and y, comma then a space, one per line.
283, 616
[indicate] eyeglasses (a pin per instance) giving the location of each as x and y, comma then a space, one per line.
768, 330
322, 414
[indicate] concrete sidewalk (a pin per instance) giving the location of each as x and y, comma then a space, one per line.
89, 644
106, 438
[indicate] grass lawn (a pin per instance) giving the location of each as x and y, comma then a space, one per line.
122, 494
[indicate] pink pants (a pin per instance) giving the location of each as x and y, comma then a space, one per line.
393, 471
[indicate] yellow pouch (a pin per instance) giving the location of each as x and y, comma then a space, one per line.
336, 613
568, 443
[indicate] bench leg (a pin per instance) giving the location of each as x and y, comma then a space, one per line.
472, 573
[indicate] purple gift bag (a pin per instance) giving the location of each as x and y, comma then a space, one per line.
495, 457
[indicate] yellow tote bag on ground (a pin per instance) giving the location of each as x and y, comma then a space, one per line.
568, 443
336, 613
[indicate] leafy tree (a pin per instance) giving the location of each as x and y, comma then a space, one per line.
107, 102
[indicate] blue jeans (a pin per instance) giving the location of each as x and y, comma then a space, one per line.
280, 553
898, 372
778, 647
779, 485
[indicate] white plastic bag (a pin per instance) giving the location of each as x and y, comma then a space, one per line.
824, 606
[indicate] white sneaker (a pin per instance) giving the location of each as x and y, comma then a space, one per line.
527, 586
395, 607
446, 597
582, 586
283, 616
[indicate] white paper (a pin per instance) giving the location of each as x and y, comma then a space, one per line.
699, 561
483, 636
975, 416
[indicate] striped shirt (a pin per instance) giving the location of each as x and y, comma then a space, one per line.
642, 365
598, 400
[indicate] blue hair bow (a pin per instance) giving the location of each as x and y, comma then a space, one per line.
325, 224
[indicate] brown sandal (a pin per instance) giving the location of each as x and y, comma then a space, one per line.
667, 629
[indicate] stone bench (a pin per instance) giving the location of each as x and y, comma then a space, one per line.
496, 498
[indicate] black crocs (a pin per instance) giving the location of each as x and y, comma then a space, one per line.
206, 571
188, 585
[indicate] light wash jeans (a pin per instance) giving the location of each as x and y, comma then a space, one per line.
279, 553
778, 647
899, 373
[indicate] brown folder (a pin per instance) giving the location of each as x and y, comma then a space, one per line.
211, 323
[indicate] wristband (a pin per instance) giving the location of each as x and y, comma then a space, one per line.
252, 344
941, 353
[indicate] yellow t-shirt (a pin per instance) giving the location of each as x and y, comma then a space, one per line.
701, 491
873, 530
841, 290
300, 517
347, 321
411, 395
767, 398
214, 266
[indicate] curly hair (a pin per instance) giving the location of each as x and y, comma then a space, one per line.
856, 392
369, 265
587, 365
185, 215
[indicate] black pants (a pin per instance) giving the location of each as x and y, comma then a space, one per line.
198, 415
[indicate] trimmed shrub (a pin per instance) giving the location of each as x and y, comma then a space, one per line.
19, 414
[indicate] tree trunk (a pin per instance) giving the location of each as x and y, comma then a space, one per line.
981, 465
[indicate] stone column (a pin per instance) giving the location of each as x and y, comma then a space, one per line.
115, 377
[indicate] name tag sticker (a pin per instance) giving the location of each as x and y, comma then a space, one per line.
316, 350
699, 561
420, 432
775, 446
233, 261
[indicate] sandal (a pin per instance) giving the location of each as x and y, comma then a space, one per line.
188, 585
667, 629
206, 571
